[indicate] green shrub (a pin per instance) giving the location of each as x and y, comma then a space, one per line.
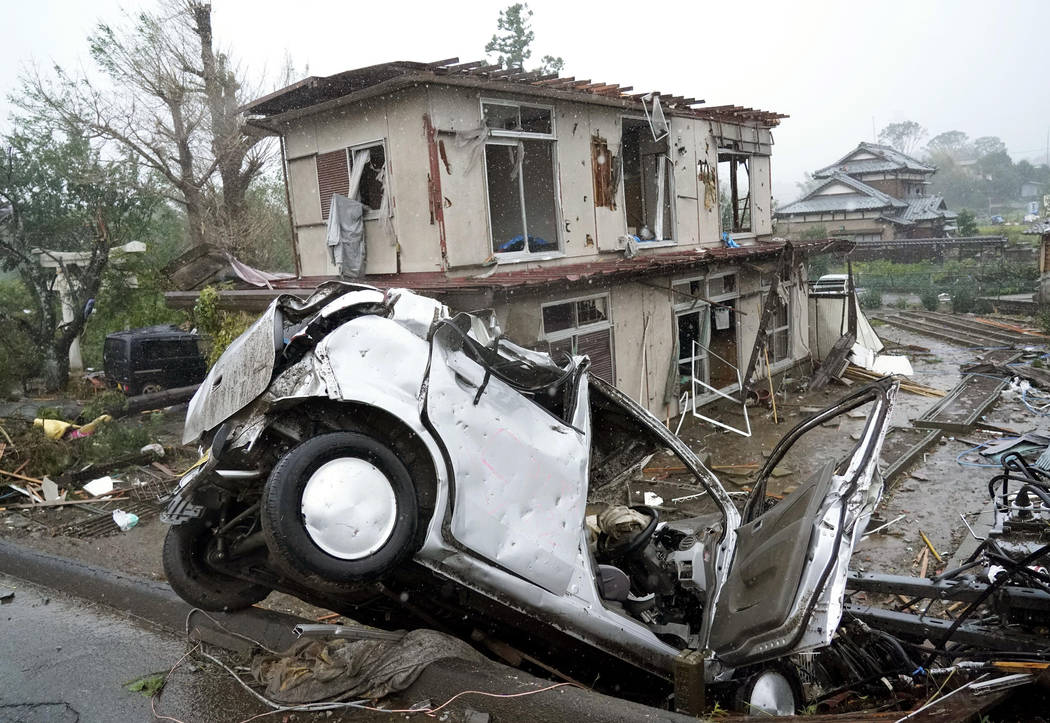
901, 303
983, 306
929, 298
963, 299
218, 327
871, 299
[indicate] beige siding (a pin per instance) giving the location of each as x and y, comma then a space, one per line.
707, 150
585, 230
576, 183
609, 223
462, 179
687, 192
313, 253
408, 166
761, 218
302, 184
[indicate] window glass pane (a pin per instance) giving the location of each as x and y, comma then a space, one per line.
716, 285
541, 217
501, 117
780, 317
728, 283
780, 345
504, 198
373, 178
645, 172
557, 318
535, 120
590, 311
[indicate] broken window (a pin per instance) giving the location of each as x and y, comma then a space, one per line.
734, 178
520, 178
581, 326
603, 173
647, 182
358, 172
780, 331
368, 167
707, 333
506, 116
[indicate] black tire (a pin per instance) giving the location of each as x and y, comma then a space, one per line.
195, 581
284, 528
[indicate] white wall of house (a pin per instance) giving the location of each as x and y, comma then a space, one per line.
584, 229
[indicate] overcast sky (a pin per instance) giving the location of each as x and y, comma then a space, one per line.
837, 68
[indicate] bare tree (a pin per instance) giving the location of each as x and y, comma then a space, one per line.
172, 100
905, 136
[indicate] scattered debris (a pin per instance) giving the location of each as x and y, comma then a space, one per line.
125, 520
99, 486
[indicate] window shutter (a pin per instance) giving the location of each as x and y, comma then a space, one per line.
332, 177
598, 346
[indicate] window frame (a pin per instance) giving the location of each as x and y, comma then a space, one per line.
668, 240
575, 330
732, 151
681, 306
505, 133
511, 141
371, 214
789, 328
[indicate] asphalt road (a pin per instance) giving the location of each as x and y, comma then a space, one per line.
66, 660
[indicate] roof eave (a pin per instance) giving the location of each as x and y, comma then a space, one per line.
767, 121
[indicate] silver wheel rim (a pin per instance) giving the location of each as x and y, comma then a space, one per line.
771, 695
349, 508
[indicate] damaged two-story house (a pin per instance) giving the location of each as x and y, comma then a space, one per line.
589, 218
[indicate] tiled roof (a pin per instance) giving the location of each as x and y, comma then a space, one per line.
864, 198
316, 90
926, 208
887, 159
528, 277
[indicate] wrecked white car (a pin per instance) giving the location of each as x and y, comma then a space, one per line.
374, 453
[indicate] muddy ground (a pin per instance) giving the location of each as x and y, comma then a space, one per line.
931, 497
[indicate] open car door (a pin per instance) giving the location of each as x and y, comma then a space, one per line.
783, 593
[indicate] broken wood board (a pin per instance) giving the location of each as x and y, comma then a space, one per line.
964, 405
903, 447
834, 364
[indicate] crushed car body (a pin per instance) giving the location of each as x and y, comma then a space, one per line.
361, 444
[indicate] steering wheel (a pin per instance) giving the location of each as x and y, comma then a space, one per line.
637, 542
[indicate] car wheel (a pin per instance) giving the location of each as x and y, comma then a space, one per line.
197, 582
339, 508
770, 691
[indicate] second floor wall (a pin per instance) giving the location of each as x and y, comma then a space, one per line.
456, 176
